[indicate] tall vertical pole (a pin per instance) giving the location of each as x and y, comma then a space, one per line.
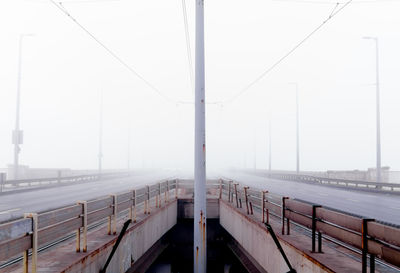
100, 155
200, 214
297, 131
16, 133
269, 146
378, 115
378, 119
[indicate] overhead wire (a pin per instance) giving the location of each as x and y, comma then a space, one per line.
286, 55
188, 47
112, 53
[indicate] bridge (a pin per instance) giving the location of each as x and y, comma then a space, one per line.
158, 218
242, 218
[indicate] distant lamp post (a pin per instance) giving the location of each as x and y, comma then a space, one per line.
17, 134
378, 114
297, 128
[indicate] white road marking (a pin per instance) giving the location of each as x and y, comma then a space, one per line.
10, 210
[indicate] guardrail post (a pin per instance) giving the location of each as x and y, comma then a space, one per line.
364, 243
236, 194
220, 189
176, 188
314, 229
263, 206
112, 220
134, 206
159, 194
2, 181
34, 218
166, 192
283, 214
229, 191
148, 200
84, 225
245, 198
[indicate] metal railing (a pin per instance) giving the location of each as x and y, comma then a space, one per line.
393, 188
25, 236
54, 181
372, 238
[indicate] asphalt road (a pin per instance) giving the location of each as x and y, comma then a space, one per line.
13, 206
379, 206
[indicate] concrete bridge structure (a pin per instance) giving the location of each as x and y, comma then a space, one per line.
80, 237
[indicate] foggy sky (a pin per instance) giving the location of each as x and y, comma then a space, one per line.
64, 72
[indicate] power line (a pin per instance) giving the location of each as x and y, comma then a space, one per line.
155, 89
188, 48
274, 65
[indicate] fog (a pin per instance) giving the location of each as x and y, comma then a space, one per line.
65, 71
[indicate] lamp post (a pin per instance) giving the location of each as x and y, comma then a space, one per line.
17, 135
200, 214
297, 128
378, 114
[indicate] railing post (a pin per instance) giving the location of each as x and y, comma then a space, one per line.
236, 194
134, 206
364, 243
283, 214
314, 228
229, 191
266, 207
263, 206
245, 198
166, 192
112, 220
176, 188
159, 194
34, 218
2, 181
148, 200
220, 189
84, 226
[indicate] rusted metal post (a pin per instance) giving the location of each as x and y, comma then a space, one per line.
236, 194
263, 206
134, 206
148, 199
314, 226
283, 214
34, 217
364, 243
84, 228
246, 199
166, 192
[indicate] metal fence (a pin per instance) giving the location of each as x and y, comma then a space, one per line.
372, 238
26, 235
54, 181
393, 188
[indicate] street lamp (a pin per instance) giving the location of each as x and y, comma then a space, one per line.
378, 114
297, 128
17, 134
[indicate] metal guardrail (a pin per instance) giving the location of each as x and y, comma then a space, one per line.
393, 188
38, 229
59, 180
370, 237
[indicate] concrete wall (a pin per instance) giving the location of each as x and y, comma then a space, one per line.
135, 243
259, 244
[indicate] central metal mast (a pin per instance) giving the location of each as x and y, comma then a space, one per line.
200, 215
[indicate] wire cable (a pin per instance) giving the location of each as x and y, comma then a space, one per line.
188, 47
151, 86
280, 60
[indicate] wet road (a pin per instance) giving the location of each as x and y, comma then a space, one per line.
380, 206
13, 206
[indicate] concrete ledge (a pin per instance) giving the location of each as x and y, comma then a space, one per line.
253, 236
139, 238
